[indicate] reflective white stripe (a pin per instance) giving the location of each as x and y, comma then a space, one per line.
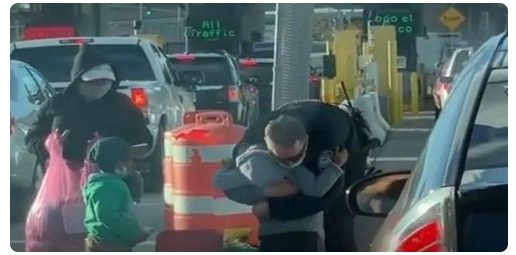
202, 205
168, 195
224, 206
209, 154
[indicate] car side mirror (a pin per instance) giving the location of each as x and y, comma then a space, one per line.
376, 196
438, 65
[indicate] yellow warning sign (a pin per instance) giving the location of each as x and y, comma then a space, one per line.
452, 18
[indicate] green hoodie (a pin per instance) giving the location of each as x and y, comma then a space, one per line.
110, 218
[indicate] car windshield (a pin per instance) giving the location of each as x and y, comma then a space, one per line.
459, 61
14, 87
216, 70
488, 147
261, 71
56, 62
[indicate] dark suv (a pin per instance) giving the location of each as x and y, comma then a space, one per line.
215, 83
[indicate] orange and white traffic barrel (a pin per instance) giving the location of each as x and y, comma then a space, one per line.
193, 154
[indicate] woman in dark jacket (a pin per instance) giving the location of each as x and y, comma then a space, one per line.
89, 106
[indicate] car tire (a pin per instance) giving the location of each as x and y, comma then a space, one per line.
153, 181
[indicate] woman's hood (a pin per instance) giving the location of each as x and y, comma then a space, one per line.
85, 60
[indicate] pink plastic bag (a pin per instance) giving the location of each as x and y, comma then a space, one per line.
61, 185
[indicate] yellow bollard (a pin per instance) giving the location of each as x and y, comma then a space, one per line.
345, 49
414, 89
395, 80
328, 91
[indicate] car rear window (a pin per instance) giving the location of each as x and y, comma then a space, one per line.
488, 147
216, 70
261, 71
55, 62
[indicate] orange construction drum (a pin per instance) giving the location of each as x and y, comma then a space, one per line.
193, 154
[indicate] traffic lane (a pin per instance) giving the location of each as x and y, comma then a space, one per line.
150, 213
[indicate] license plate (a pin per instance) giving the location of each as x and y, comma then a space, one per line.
193, 96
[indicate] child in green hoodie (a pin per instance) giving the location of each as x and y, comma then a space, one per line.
110, 219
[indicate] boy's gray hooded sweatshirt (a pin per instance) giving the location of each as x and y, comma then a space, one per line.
256, 167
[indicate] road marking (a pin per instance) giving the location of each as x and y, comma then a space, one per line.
394, 159
410, 129
422, 117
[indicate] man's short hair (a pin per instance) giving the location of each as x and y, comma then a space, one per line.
285, 131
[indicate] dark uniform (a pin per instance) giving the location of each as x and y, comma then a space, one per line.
328, 127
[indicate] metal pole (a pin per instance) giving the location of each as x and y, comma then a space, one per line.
293, 45
141, 11
187, 12
178, 22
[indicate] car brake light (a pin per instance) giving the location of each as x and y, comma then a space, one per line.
426, 226
248, 62
424, 239
314, 79
185, 58
139, 97
234, 94
76, 41
13, 123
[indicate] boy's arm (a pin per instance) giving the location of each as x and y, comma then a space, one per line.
247, 195
105, 203
299, 206
315, 186
259, 168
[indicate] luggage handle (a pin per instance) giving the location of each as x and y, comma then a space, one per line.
205, 117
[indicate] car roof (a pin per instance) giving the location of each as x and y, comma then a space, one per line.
197, 55
96, 40
259, 60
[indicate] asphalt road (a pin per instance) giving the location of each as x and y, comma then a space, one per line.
400, 152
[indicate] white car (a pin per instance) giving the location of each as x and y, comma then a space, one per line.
147, 77
28, 91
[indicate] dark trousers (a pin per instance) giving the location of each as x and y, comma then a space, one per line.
290, 242
339, 231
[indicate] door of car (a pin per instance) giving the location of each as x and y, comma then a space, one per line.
175, 108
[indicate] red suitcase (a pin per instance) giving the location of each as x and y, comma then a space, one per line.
189, 241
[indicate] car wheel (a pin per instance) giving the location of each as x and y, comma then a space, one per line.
153, 181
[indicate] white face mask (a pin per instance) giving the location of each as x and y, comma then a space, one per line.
94, 92
121, 170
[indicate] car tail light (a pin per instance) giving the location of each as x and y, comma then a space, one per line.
185, 58
314, 79
426, 238
139, 97
248, 62
13, 124
234, 94
428, 226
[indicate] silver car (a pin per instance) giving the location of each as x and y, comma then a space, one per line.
147, 78
456, 198
28, 91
